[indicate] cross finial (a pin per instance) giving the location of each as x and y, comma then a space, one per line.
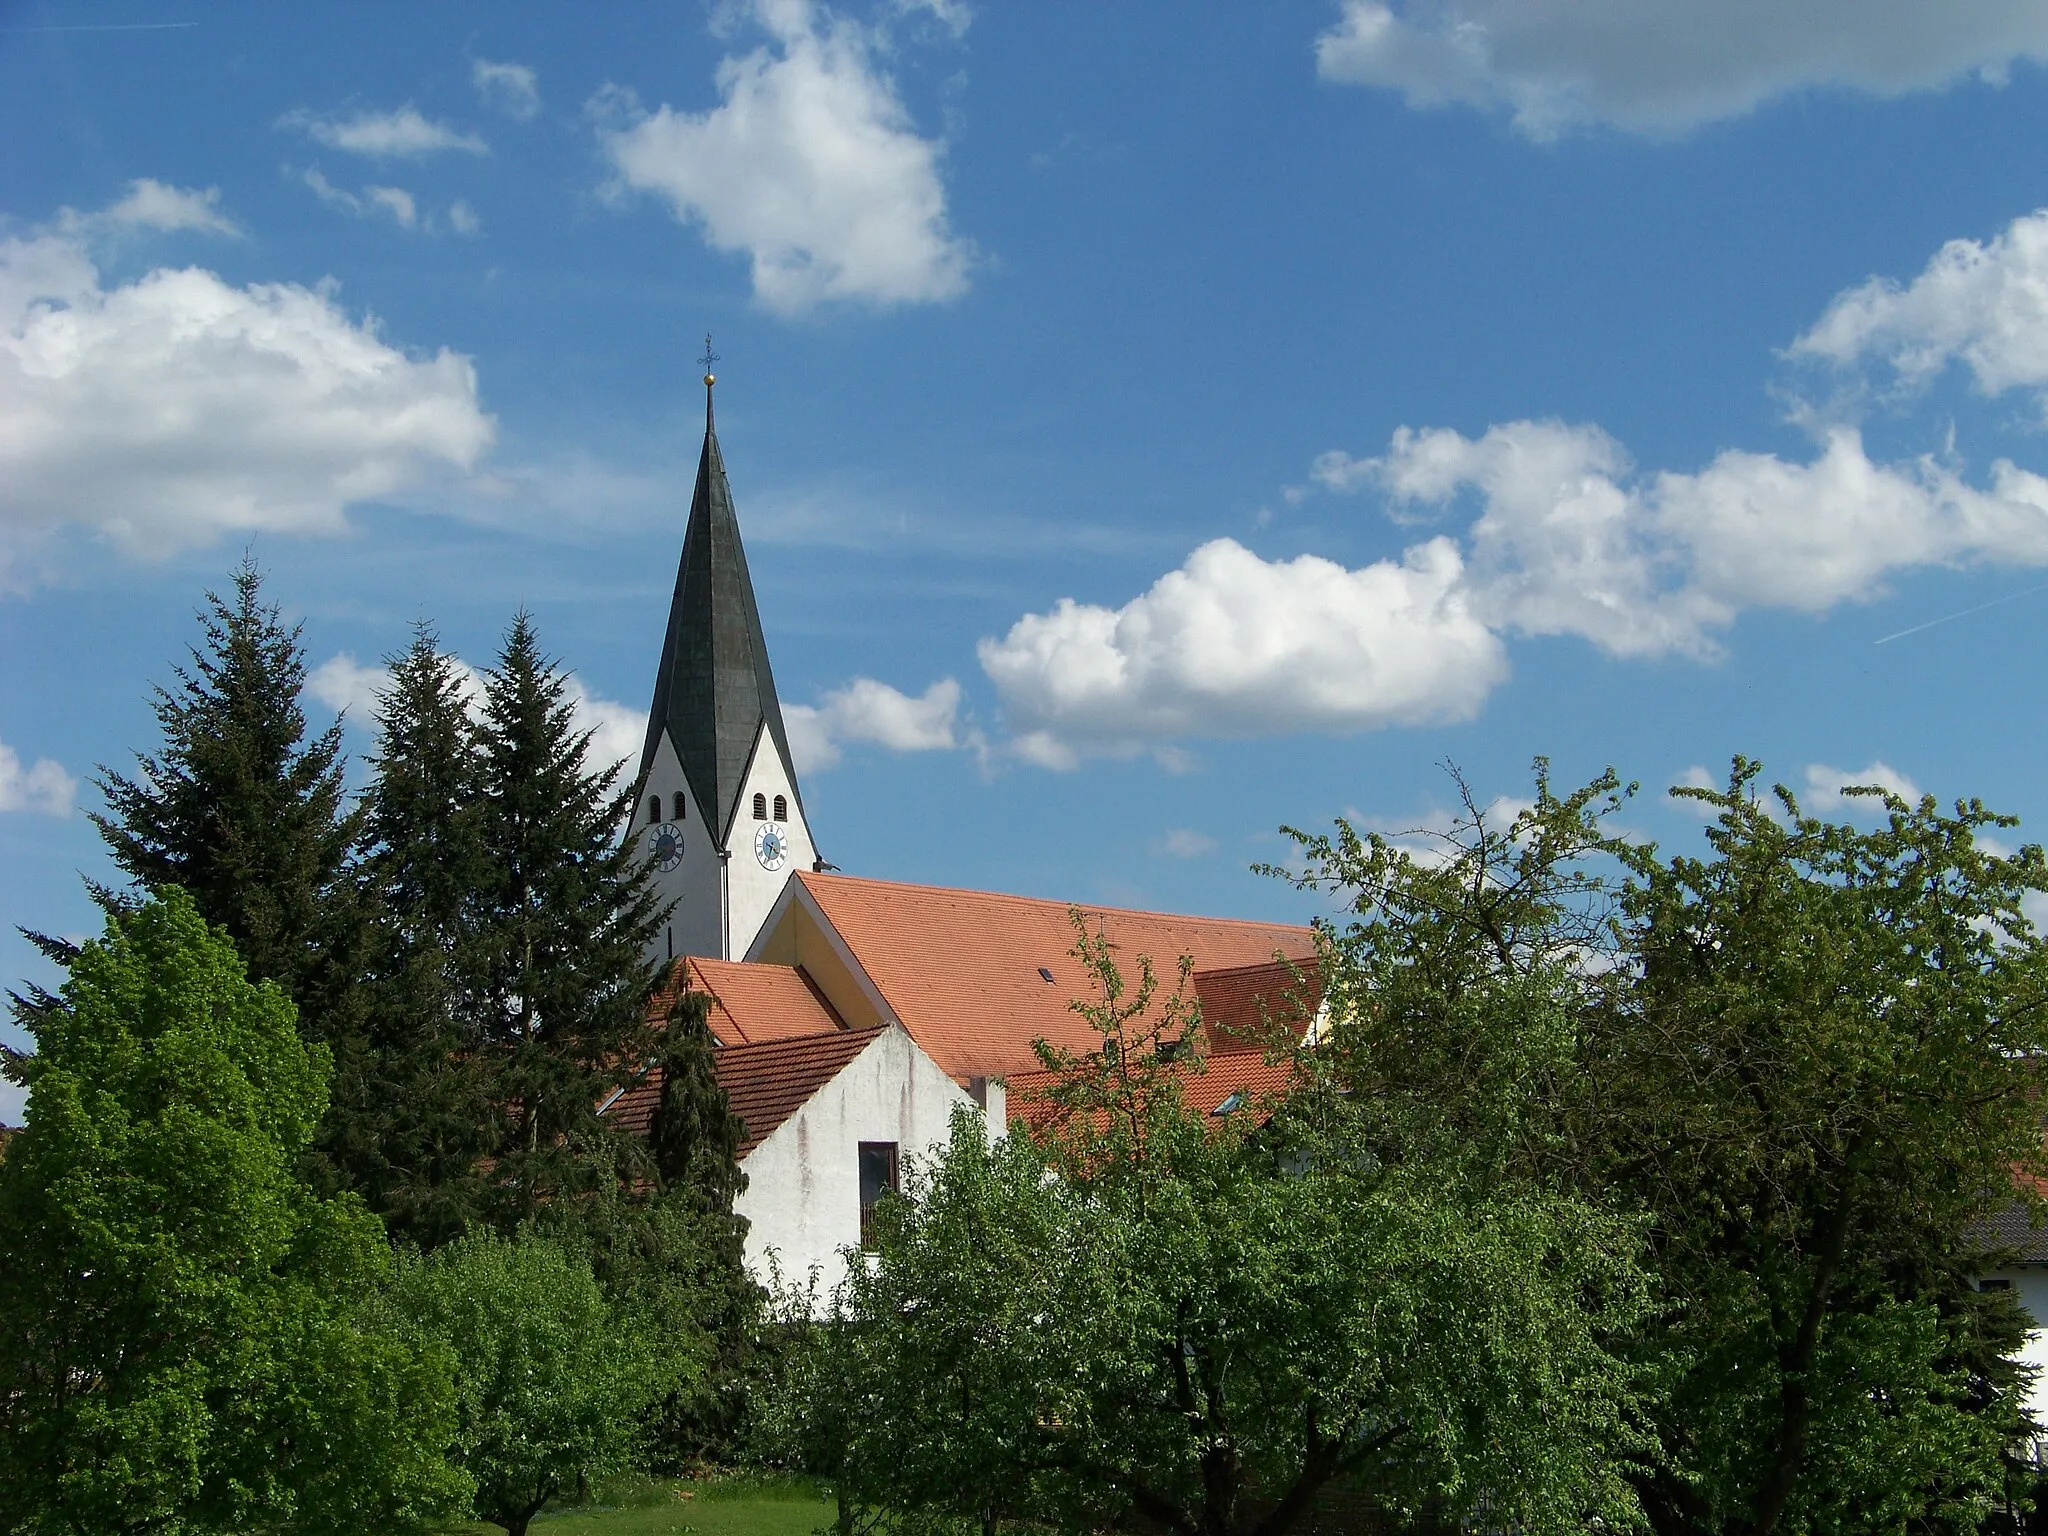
710, 378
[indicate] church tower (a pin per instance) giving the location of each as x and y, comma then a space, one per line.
719, 817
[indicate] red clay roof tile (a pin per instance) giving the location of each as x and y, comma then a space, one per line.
766, 1082
962, 969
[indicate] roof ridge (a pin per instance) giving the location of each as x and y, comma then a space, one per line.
788, 1042
812, 877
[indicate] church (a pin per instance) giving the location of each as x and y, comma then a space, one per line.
853, 1016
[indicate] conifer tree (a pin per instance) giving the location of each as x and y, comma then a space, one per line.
244, 813
564, 923
695, 1137
428, 1114
248, 816
694, 1141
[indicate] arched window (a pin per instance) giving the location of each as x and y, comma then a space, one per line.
653, 809
781, 809
760, 807
681, 806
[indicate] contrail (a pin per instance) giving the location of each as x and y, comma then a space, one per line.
2009, 597
110, 26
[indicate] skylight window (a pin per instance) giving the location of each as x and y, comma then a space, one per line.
1233, 1103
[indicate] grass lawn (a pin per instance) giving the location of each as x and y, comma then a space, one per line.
724, 1507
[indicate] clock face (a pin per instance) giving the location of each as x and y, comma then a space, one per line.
771, 845
667, 848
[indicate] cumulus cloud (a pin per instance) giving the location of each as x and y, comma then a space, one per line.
1664, 66
161, 413
152, 204
1982, 304
1185, 843
1825, 785
1234, 645
1570, 540
43, 786
810, 165
401, 135
1559, 533
513, 89
873, 713
617, 731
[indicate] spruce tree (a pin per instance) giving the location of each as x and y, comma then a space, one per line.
694, 1141
250, 818
695, 1137
428, 1111
564, 923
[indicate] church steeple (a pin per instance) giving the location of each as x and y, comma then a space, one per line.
716, 727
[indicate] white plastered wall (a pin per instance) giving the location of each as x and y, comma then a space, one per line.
803, 1183
752, 889
694, 928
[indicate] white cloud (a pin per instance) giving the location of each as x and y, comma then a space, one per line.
152, 204
866, 711
954, 15
13, 1103
810, 165
1663, 66
163, 412
617, 731
1233, 645
513, 89
403, 134
1185, 843
342, 683
1985, 305
395, 201
1570, 541
1825, 783
43, 787
1696, 777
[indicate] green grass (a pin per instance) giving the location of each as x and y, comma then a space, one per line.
731, 1506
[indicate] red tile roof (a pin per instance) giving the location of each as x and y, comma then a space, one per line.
1244, 1073
752, 1002
766, 1082
1242, 1004
962, 969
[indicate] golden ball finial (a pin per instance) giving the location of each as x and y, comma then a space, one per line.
710, 379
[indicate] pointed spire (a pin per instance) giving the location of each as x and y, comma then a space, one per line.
714, 690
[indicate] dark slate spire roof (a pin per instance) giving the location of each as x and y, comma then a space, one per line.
714, 688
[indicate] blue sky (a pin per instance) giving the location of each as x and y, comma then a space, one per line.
1150, 424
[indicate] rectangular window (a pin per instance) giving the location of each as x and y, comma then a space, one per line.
877, 1177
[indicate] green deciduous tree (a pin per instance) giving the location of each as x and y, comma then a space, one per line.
563, 927
178, 1352
1805, 1060
1204, 1325
552, 1381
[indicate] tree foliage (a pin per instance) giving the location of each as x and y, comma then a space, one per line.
246, 815
1804, 1058
178, 1353
428, 1119
552, 1381
563, 923
1207, 1329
